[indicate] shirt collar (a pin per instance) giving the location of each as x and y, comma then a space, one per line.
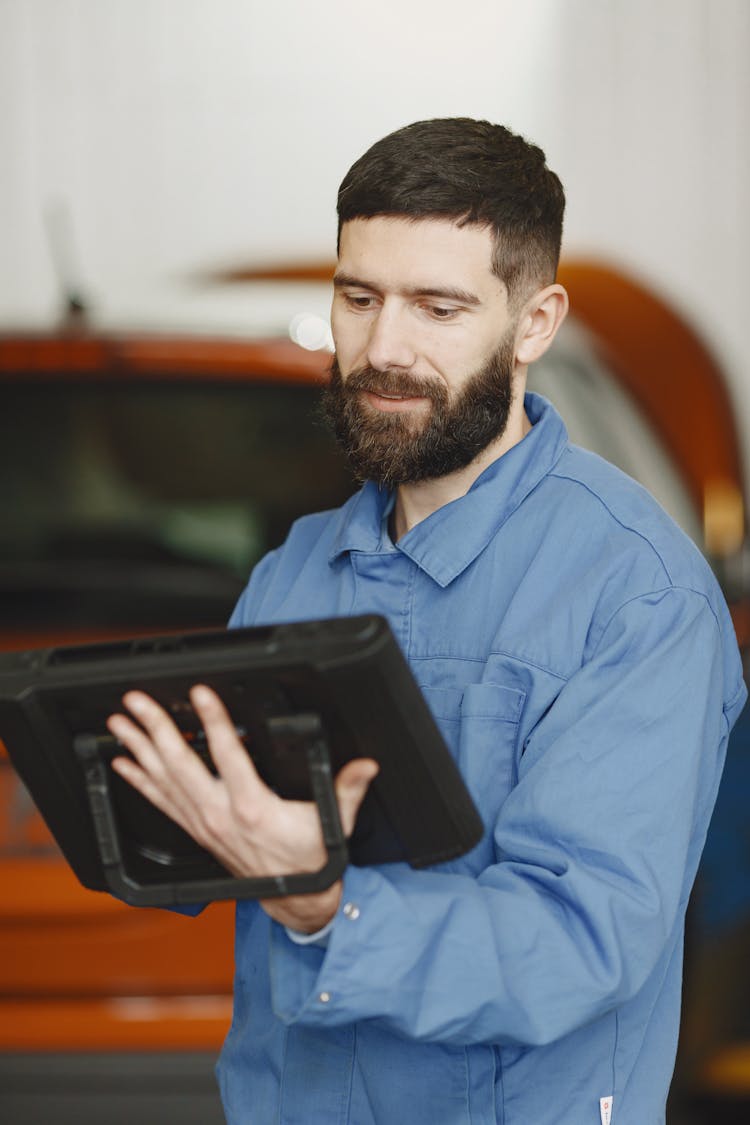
445, 543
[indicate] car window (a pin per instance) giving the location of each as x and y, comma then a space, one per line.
151, 491
601, 416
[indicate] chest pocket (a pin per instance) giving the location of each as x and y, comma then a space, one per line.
480, 725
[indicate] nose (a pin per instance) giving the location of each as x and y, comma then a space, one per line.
390, 344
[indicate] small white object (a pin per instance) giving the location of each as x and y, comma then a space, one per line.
311, 332
324, 997
605, 1110
351, 911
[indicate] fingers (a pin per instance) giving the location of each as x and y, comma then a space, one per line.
173, 778
154, 740
227, 751
167, 771
164, 755
352, 783
140, 780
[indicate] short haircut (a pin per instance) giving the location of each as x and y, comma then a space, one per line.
471, 172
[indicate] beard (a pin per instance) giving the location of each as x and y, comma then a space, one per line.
395, 448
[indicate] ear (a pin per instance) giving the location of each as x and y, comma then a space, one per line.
539, 322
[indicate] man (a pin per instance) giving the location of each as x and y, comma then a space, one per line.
574, 648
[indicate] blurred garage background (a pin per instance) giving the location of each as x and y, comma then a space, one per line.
167, 221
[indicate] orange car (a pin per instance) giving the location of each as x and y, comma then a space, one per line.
141, 479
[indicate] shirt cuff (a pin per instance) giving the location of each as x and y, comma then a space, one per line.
319, 938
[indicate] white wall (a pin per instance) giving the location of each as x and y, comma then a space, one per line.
654, 149
185, 134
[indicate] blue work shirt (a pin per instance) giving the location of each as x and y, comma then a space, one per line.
580, 660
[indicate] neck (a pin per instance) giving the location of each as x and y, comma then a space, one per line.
415, 502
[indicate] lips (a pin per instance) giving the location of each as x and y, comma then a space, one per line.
389, 403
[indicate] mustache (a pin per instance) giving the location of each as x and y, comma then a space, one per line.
388, 382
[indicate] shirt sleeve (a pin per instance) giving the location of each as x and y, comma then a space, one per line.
245, 611
597, 848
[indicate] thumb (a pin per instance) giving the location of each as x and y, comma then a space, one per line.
352, 783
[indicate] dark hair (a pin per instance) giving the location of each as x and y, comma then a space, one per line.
472, 172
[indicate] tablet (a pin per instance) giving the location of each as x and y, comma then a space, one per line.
304, 697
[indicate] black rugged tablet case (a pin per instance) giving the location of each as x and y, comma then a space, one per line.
304, 697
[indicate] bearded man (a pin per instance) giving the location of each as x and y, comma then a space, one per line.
574, 648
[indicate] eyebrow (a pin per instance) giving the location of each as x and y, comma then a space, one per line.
449, 293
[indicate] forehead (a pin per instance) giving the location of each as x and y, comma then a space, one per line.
392, 252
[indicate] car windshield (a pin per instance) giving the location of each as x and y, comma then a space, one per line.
116, 496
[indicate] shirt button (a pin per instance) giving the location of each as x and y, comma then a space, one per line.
351, 911
324, 997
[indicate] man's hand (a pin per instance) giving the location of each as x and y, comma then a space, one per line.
235, 816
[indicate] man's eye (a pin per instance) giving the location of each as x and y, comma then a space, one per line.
358, 301
440, 312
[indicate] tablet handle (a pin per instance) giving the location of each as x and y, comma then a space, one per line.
306, 729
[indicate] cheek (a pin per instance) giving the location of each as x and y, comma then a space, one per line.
349, 340
456, 358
